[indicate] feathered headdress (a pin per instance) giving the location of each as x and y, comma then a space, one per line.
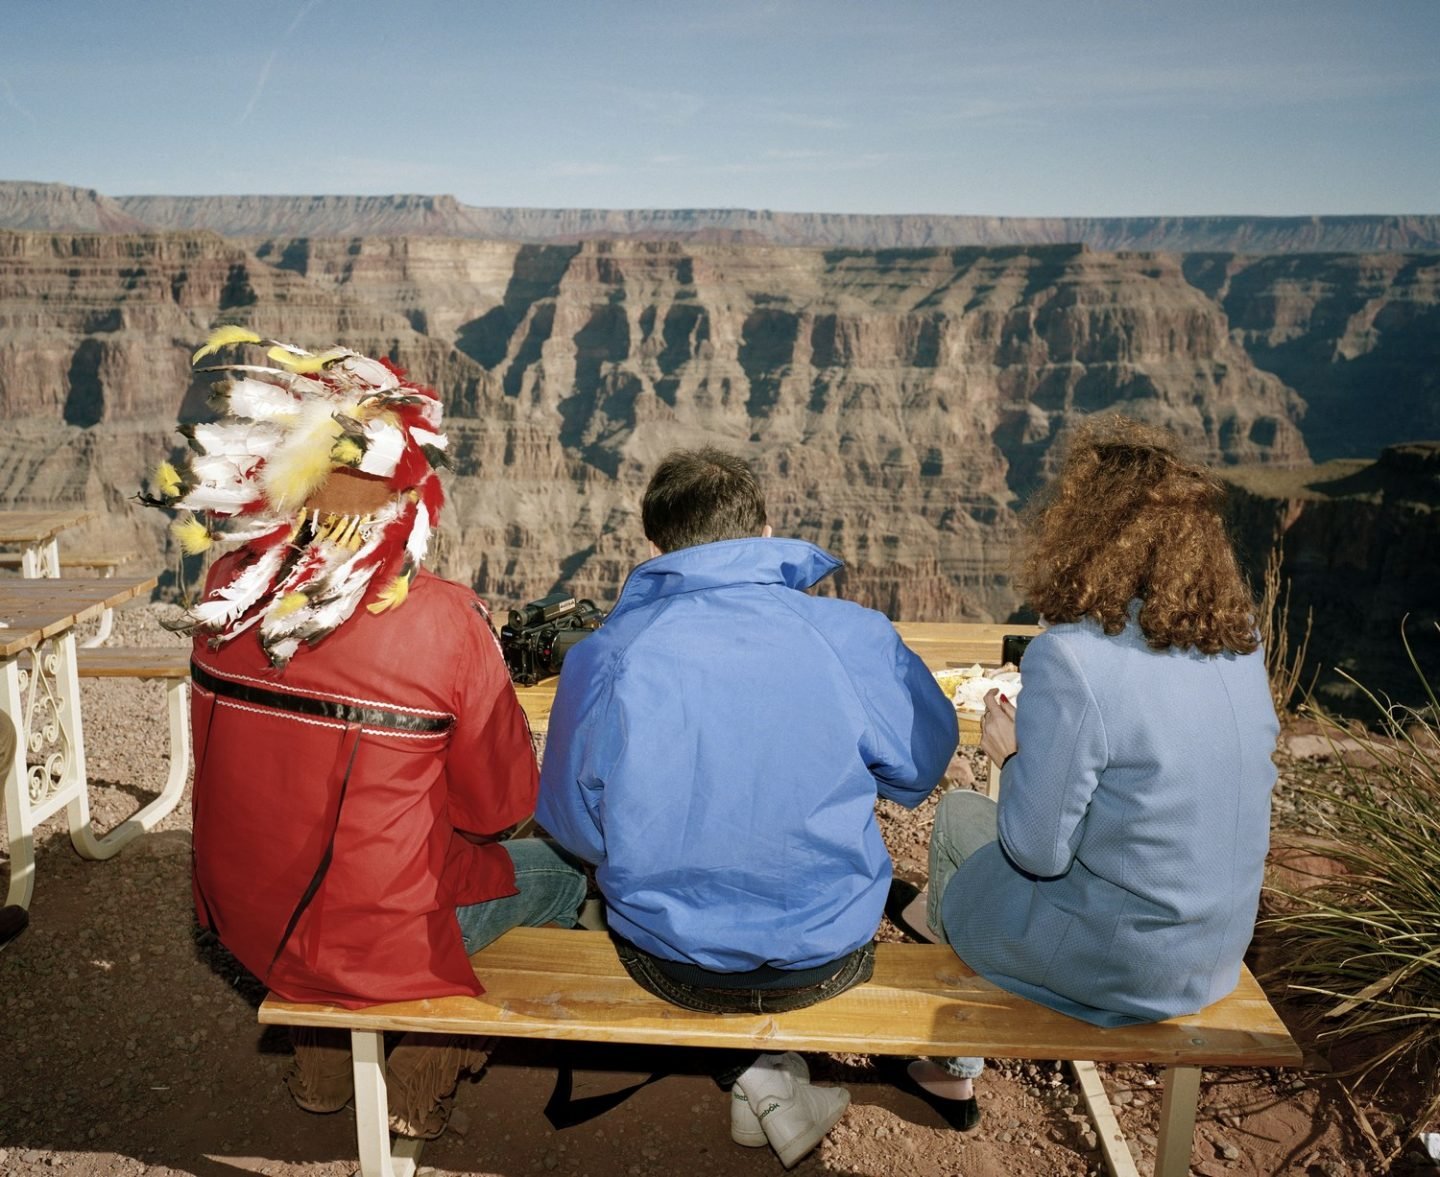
248, 477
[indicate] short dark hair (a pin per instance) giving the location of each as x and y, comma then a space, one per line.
699, 497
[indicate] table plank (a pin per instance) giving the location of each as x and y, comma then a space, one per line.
938, 644
33, 610
28, 527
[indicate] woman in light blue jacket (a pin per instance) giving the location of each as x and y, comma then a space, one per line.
1118, 878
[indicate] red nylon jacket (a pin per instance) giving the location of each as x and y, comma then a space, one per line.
327, 797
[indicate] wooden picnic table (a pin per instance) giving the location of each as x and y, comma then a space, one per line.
40, 696
939, 644
36, 533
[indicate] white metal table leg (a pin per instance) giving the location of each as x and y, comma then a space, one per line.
107, 621
42, 559
372, 1112
82, 836
19, 828
1177, 1121
49, 770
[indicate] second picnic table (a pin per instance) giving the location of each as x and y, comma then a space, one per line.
40, 696
36, 533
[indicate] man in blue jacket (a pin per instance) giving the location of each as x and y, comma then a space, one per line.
716, 749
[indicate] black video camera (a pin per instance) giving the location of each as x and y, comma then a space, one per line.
539, 635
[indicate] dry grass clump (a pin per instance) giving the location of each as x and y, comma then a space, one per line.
1368, 938
1283, 663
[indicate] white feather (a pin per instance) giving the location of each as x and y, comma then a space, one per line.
282, 652
221, 469
426, 437
260, 400
382, 453
370, 372
223, 500
418, 541
232, 600
247, 527
243, 438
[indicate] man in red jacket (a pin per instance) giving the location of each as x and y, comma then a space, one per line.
359, 749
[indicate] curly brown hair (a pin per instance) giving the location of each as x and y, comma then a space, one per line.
1128, 517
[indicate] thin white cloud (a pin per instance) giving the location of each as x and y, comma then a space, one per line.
808, 122
14, 103
265, 69
674, 108
573, 168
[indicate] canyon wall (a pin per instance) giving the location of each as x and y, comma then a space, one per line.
1357, 335
61, 207
898, 404
1361, 547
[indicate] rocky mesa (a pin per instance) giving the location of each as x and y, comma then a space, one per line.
61, 207
901, 403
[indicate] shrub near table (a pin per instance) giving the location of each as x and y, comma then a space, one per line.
1369, 937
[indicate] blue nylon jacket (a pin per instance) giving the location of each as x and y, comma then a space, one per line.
716, 748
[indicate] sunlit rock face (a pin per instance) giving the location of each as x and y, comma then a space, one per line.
898, 404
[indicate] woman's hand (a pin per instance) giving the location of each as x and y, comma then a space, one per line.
997, 727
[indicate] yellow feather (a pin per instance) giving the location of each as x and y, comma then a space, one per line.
346, 452
287, 605
193, 536
224, 337
392, 596
301, 464
304, 363
167, 481
343, 538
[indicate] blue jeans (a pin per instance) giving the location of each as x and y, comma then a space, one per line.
729, 1065
964, 821
551, 885
856, 969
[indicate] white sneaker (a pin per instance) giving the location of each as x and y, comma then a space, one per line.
795, 1125
744, 1125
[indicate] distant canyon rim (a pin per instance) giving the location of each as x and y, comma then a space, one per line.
900, 383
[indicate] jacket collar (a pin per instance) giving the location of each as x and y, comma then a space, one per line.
793, 563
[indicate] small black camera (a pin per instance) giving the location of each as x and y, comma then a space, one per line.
1012, 647
540, 634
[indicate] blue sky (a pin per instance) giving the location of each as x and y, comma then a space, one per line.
1001, 107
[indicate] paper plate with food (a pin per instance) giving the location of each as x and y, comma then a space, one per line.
967, 686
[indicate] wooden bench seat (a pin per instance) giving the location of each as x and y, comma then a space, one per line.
922, 1000
103, 561
167, 662
172, 665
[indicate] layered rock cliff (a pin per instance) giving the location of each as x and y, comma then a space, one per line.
898, 404
1361, 547
59, 207
1357, 334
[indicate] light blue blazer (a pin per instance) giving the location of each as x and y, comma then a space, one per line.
1133, 826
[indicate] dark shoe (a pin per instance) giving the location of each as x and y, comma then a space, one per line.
961, 1114
902, 893
320, 1079
421, 1075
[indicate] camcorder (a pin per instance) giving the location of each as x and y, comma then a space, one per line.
540, 634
